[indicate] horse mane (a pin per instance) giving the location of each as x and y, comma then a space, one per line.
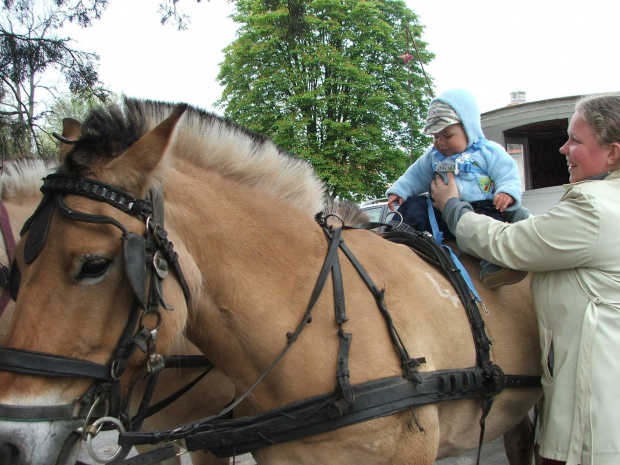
23, 177
204, 139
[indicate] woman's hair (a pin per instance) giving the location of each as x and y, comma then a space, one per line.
602, 112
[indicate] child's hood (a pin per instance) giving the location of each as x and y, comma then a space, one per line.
465, 106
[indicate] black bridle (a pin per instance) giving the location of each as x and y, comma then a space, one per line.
147, 259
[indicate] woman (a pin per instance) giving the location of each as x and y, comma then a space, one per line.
574, 253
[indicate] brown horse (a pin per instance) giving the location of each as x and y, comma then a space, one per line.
20, 194
241, 215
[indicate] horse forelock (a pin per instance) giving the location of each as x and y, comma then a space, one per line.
204, 139
23, 178
106, 133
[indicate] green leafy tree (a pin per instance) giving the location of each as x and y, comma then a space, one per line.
29, 49
81, 11
65, 106
85, 11
326, 80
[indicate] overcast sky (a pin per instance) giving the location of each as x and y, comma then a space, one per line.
546, 48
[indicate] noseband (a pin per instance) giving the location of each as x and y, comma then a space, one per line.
147, 259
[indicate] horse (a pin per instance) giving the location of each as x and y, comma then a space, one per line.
19, 197
243, 288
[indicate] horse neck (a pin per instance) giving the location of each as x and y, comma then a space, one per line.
256, 256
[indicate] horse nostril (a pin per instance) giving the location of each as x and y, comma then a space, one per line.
9, 454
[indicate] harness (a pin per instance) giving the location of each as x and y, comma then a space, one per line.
453, 165
346, 405
463, 163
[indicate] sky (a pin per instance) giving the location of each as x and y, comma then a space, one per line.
545, 48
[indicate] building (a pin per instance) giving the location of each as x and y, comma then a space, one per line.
532, 133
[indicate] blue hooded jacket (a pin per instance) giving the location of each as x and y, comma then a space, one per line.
492, 166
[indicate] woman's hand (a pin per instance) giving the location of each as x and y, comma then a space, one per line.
393, 198
442, 192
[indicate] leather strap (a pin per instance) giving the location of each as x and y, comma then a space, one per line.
154, 456
43, 364
326, 413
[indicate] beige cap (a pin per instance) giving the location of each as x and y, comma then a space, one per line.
440, 116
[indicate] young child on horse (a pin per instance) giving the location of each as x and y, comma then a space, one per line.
486, 175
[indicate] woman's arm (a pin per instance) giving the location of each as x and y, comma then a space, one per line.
565, 237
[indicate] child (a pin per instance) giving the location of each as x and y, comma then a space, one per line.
486, 176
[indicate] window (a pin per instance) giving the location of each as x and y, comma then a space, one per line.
517, 152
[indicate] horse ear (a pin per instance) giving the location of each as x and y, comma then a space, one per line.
137, 162
71, 130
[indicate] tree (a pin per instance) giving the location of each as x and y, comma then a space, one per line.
85, 11
65, 106
29, 48
325, 80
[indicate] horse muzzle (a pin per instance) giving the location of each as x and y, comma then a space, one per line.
42, 443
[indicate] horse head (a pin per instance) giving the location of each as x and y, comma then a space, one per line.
97, 248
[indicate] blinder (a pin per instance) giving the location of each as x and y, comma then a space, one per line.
134, 256
38, 226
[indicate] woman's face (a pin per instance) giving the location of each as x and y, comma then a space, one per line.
584, 156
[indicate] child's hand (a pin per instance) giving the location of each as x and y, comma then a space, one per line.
394, 199
503, 201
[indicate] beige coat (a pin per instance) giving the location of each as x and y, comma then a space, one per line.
574, 252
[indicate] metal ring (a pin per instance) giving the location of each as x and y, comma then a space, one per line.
395, 213
113, 367
84, 429
151, 312
89, 440
335, 215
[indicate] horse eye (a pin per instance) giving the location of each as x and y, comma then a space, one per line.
93, 268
